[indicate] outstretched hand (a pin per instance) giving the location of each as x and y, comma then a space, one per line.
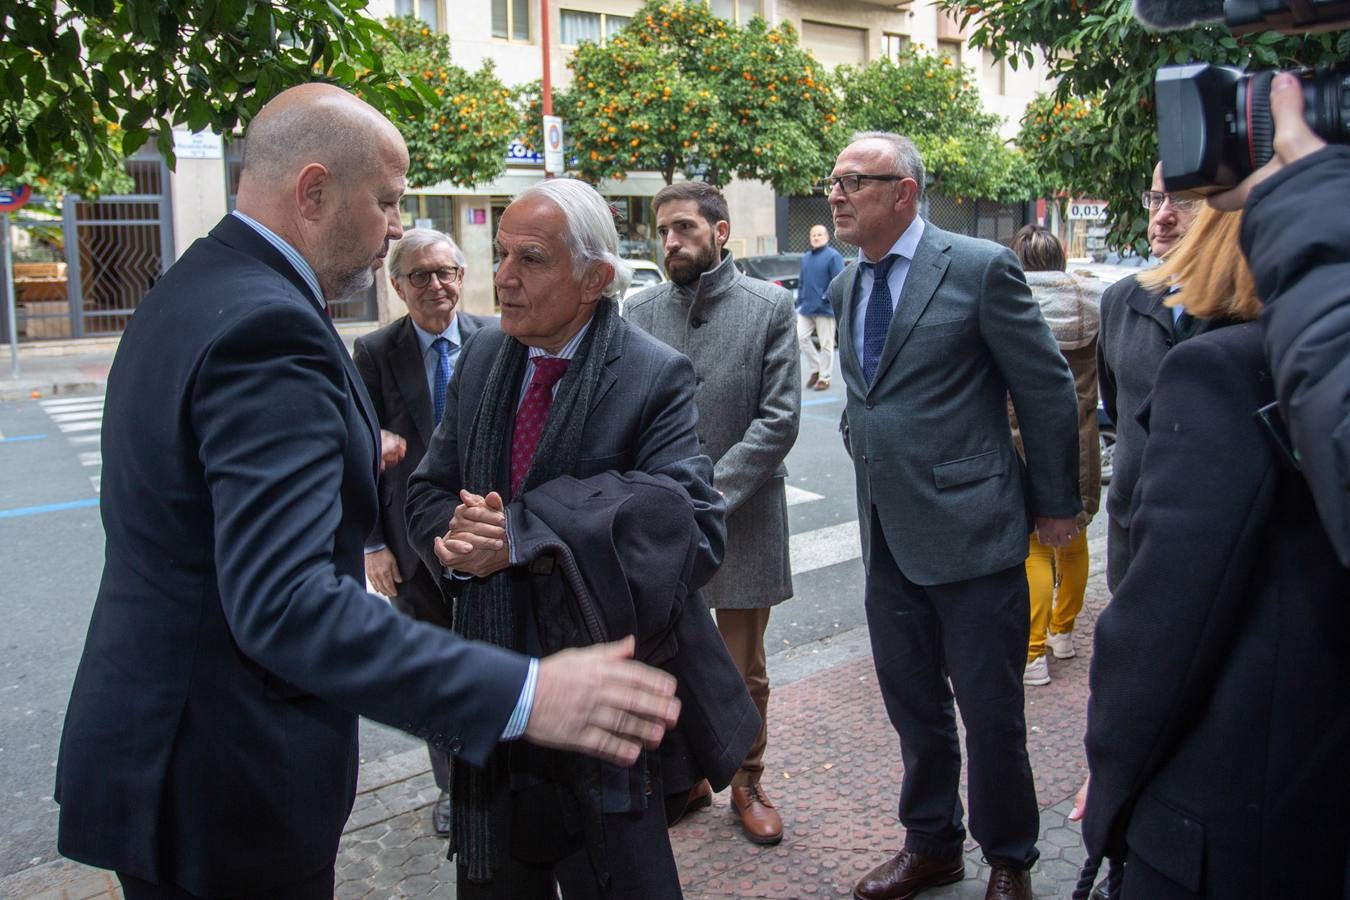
599, 701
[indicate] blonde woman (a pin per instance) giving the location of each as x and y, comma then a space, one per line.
1216, 722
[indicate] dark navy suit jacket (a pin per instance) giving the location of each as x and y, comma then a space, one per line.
211, 737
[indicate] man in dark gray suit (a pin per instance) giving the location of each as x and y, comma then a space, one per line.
1137, 331
406, 367
740, 334
566, 391
945, 506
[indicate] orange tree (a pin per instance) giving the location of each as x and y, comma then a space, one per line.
680, 90
1096, 48
463, 132
1056, 133
933, 102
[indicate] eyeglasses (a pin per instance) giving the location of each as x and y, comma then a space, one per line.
422, 277
850, 183
1154, 200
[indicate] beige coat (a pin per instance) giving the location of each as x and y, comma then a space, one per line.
1071, 306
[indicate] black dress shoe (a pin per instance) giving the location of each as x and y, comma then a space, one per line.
907, 873
440, 815
1008, 884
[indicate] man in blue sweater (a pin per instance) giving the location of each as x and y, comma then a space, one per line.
814, 313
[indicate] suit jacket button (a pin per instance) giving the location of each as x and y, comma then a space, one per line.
870, 404
456, 745
864, 458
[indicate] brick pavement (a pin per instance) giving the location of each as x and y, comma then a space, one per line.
835, 771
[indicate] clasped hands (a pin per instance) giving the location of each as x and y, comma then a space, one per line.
476, 542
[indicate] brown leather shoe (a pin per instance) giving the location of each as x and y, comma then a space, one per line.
811, 382
907, 873
1008, 884
759, 819
677, 807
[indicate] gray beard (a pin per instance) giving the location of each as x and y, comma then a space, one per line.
353, 283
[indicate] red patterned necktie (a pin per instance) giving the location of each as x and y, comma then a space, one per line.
532, 415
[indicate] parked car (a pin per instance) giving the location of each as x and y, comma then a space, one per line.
645, 274
1106, 430
783, 269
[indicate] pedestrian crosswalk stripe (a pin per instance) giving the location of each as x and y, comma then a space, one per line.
83, 415
81, 426
834, 544
797, 495
92, 458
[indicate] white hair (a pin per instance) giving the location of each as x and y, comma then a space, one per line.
415, 239
907, 160
591, 236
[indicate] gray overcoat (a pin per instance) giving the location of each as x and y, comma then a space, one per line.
741, 335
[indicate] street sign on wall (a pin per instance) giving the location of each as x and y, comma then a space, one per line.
14, 199
553, 145
1089, 210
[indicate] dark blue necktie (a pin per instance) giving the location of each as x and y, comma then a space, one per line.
442, 347
877, 321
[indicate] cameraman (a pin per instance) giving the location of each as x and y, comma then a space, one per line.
1302, 269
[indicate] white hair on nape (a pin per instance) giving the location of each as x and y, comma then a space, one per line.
414, 240
591, 236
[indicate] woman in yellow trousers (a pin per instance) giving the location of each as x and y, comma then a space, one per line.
1057, 578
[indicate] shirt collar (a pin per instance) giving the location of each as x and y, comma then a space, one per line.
905, 245
425, 338
568, 351
292, 255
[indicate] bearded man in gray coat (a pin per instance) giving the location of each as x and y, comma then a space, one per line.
741, 335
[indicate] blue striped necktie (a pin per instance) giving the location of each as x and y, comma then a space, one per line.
442, 347
877, 320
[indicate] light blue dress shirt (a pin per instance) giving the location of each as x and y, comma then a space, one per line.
292, 255
904, 247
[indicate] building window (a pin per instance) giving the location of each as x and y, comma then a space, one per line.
738, 11
951, 50
511, 19
892, 45
576, 26
427, 10
995, 73
835, 45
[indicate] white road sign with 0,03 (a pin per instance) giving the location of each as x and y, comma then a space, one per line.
1087, 209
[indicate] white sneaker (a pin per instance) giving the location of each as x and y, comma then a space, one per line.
1062, 645
1037, 673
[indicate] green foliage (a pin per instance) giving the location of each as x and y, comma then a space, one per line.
470, 118
682, 90
88, 82
1098, 50
1055, 135
934, 103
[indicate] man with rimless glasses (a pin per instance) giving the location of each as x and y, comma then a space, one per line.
1137, 329
406, 367
937, 330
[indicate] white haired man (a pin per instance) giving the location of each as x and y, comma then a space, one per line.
564, 492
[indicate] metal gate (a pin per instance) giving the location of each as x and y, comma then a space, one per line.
85, 273
979, 218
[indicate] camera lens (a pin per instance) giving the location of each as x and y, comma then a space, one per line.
1214, 123
1326, 109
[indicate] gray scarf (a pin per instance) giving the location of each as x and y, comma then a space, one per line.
485, 609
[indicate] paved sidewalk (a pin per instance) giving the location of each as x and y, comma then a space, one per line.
835, 772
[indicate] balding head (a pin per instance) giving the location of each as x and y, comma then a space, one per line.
325, 171
313, 123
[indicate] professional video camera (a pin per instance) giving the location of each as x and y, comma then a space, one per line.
1214, 125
